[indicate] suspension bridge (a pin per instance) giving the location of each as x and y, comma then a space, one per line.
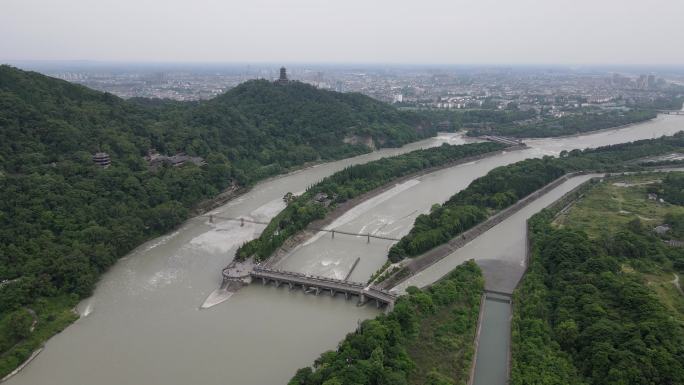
244, 220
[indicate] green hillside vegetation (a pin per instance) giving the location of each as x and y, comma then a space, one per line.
458, 119
65, 220
258, 128
673, 188
426, 340
597, 310
673, 102
350, 183
567, 125
615, 204
505, 185
499, 189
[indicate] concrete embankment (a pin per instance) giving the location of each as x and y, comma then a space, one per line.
494, 337
476, 341
23, 365
491, 362
417, 264
219, 200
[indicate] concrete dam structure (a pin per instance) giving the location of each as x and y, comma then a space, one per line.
313, 284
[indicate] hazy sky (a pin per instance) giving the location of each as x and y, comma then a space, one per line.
351, 31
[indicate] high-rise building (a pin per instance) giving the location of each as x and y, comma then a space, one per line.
651, 81
641, 82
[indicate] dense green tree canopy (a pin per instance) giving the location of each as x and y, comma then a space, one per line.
581, 319
350, 183
505, 185
64, 220
406, 345
566, 125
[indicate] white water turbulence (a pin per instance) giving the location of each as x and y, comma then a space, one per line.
216, 297
145, 326
359, 209
87, 309
228, 235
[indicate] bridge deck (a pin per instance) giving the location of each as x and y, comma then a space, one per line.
247, 220
325, 283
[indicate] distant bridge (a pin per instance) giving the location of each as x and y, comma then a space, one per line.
671, 112
498, 296
244, 220
503, 140
316, 285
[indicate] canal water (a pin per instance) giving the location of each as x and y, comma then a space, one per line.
501, 250
143, 324
494, 342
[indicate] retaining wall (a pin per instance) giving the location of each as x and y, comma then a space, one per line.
423, 261
471, 377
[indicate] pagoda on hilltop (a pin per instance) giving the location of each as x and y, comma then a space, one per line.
283, 76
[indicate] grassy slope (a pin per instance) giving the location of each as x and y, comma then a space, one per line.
610, 207
54, 315
445, 344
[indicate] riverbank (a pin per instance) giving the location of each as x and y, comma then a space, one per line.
476, 342
233, 192
422, 262
320, 198
49, 319
188, 264
539, 350
236, 191
299, 238
547, 131
23, 365
413, 335
570, 136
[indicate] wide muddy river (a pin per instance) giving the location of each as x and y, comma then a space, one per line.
143, 324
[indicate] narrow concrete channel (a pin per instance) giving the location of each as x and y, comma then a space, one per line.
492, 360
501, 253
491, 365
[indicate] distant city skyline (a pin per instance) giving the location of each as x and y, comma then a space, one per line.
487, 32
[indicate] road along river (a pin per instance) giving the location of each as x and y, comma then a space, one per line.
143, 324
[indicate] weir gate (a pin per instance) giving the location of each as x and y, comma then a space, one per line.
316, 285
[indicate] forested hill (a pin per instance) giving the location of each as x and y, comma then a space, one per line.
323, 117
64, 220
45, 120
261, 127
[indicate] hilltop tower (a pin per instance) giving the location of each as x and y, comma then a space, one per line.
283, 76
